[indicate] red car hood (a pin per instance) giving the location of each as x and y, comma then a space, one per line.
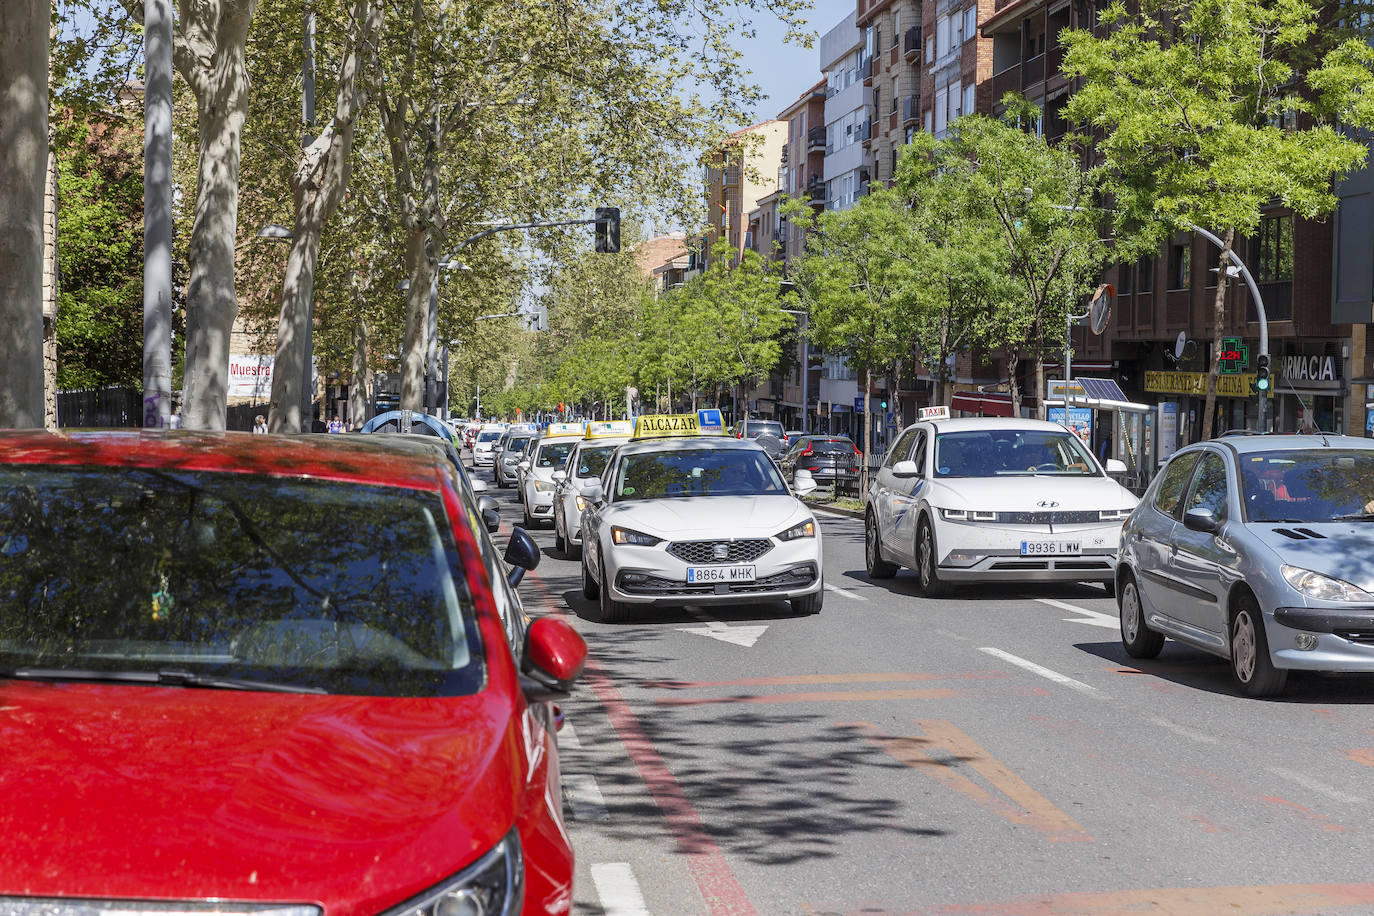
353, 803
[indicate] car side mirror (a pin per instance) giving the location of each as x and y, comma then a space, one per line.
592, 493
1201, 520
478, 485
906, 468
560, 476
521, 554
524, 465
491, 512
552, 660
1116, 466
803, 482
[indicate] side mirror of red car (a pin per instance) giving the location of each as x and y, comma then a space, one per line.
553, 659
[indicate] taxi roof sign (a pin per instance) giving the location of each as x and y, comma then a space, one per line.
659, 426
563, 429
934, 413
609, 429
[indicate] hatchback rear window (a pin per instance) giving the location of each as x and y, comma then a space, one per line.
832, 446
310, 584
756, 428
491, 436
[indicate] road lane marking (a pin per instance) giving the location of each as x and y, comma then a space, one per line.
949, 634
944, 752
1321, 788
618, 890
1191, 734
1361, 755
567, 738
784, 680
744, 636
844, 592
705, 862
1046, 673
585, 797
1092, 618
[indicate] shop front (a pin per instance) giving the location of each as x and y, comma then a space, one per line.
1310, 390
1237, 404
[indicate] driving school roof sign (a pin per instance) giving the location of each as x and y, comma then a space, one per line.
655, 426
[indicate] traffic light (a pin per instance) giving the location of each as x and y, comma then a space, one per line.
883, 403
1262, 374
607, 230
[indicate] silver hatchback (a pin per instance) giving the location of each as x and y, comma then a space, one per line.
1257, 549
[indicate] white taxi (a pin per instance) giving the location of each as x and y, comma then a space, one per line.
584, 467
484, 444
681, 518
544, 458
993, 500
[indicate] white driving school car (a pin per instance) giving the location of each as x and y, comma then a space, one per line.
993, 500
683, 518
584, 467
545, 458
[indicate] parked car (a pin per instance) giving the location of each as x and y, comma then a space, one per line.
298, 641
832, 460
484, 445
510, 451
1256, 549
755, 429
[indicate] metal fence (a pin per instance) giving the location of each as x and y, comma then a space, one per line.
107, 407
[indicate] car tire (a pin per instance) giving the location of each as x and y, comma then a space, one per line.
612, 611
807, 605
928, 584
560, 544
1110, 588
877, 567
1251, 664
590, 589
1137, 638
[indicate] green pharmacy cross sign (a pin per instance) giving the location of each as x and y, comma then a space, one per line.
1233, 357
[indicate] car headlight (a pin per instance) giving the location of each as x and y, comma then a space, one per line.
1325, 588
543, 486
494, 884
968, 515
581, 503
1114, 515
629, 536
806, 529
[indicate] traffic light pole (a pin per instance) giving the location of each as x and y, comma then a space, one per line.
1263, 358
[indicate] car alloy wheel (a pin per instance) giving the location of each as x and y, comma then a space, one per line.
877, 567
1251, 664
1137, 638
927, 573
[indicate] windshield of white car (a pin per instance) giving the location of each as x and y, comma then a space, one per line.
697, 472
517, 443
217, 577
591, 461
554, 455
491, 436
1012, 453
1320, 485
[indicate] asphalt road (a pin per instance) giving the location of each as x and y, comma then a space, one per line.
990, 752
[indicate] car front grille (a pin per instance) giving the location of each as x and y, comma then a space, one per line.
704, 552
645, 584
1050, 518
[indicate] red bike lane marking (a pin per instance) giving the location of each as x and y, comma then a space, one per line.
706, 863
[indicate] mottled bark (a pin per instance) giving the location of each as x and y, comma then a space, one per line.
23, 163
1218, 330
357, 389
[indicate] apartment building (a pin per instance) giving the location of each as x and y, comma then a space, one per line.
738, 174
891, 73
844, 167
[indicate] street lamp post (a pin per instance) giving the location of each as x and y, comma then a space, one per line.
1259, 310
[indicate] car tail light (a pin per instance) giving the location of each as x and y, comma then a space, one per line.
808, 451
856, 451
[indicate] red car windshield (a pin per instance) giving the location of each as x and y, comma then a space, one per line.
118, 574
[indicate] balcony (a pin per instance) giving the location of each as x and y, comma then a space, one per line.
911, 43
867, 67
911, 110
1032, 71
730, 176
1009, 80
1056, 60
815, 191
815, 139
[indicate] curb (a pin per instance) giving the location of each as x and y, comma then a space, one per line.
838, 511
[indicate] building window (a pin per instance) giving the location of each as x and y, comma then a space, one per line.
1124, 277
894, 162
941, 110
877, 106
1180, 266
941, 36
956, 98
930, 116
969, 98
956, 29
895, 84
930, 49
1271, 262
970, 23
896, 27
1145, 272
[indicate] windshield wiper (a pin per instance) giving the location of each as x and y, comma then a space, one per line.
1354, 517
167, 677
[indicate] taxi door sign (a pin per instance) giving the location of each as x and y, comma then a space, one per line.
659, 426
603, 429
563, 429
710, 421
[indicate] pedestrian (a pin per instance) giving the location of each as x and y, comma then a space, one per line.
335, 424
174, 421
259, 425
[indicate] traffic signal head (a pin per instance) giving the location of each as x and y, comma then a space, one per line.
1262, 373
883, 404
607, 230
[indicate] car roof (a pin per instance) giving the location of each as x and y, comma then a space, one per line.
990, 424
685, 443
400, 460
1279, 442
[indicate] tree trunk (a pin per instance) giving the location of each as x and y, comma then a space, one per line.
1013, 362
217, 73
1041, 411
1218, 330
421, 267
23, 163
863, 438
357, 389
317, 187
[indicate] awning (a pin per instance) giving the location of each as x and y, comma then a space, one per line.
986, 404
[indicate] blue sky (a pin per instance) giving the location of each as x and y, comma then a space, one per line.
784, 71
